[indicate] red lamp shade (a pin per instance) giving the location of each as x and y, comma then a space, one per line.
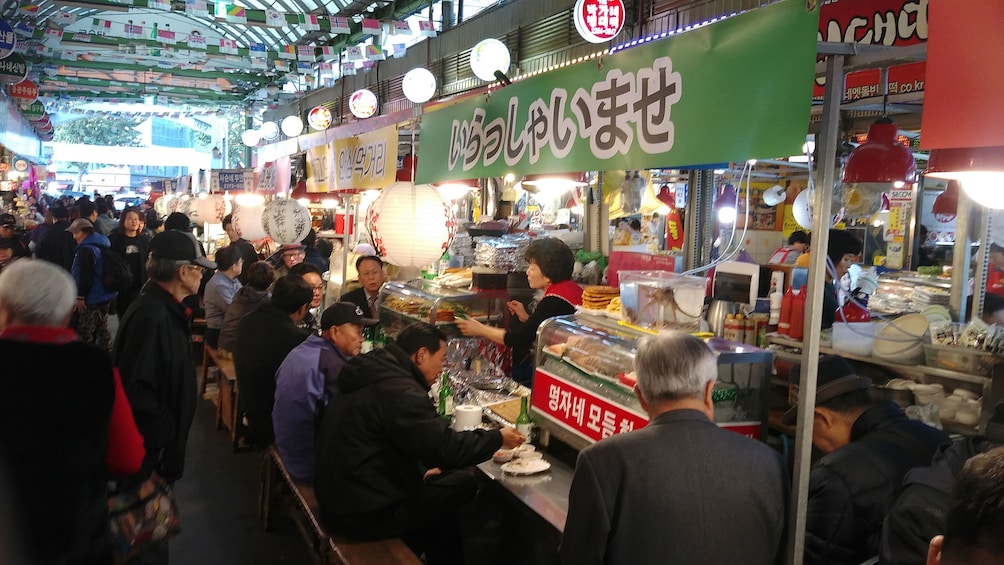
980, 170
667, 196
881, 159
947, 203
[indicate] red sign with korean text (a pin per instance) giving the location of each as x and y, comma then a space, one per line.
580, 411
24, 92
876, 22
628, 261
593, 417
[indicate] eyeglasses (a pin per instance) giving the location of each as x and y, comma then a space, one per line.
318, 288
199, 268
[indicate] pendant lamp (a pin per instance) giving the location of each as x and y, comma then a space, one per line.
726, 204
980, 170
947, 203
881, 159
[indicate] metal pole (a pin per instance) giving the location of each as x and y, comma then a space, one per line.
827, 144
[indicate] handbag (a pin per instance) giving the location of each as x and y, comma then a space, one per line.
142, 516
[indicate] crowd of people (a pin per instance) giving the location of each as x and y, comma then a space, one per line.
364, 431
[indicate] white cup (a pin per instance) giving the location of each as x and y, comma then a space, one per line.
466, 417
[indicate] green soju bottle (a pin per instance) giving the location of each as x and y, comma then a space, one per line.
523, 423
445, 397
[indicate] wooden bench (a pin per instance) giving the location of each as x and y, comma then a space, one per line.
277, 485
228, 405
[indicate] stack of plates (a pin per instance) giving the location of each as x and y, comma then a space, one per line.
937, 313
901, 340
923, 297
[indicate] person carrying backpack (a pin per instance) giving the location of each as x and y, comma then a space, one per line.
94, 298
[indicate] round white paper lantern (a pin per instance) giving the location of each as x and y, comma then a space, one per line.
286, 221
410, 224
210, 209
269, 130
178, 204
418, 85
801, 210
247, 222
161, 205
488, 56
251, 137
291, 126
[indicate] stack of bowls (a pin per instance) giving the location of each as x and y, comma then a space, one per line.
901, 340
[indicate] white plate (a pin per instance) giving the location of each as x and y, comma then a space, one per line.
525, 466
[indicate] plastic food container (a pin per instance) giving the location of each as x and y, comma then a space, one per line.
961, 359
854, 337
662, 299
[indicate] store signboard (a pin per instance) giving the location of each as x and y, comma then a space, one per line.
233, 180
598, 21
320, 168
367, 160
876, 22
13, 69
24, 92
664, 103
592, 417
8, 41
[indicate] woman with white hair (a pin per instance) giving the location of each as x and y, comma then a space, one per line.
66, 427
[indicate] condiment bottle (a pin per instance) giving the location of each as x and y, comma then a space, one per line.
797, 315
729, 331
750, 332
445, 397
784, 325
739, 331
523, 423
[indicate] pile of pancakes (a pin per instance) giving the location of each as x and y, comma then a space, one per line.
597, 297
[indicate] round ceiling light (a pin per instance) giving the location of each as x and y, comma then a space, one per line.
363, 104
269, 131
319, 118
291, 126
251, 137
488, 56
418, 85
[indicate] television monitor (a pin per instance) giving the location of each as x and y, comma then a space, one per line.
740, 282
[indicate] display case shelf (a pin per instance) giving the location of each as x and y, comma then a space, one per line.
403, 302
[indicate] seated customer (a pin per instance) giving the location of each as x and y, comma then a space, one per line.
264, 338
665, 493
252, 295
371, 277
868, 449
306, 381
381, 446
221, 290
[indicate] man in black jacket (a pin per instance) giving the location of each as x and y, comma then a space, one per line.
264, 338
153, 352
387, 464
868, 449
56, 245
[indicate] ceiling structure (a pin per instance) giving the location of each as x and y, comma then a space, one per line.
194, 51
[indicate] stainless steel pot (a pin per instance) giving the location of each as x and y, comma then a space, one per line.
718, 309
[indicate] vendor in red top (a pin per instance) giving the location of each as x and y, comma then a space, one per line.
551, 264
995, 274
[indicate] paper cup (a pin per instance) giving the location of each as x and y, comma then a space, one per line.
466, 417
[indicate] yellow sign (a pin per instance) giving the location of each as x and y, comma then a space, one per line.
320, 166
365, 161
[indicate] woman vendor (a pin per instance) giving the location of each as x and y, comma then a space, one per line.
551, 263
842, 250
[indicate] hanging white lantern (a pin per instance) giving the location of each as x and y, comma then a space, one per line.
247, 222
161, 205
488, 56
210, 209
801, 209
286, 221
410, 224
269, 131
178, 204
418, 85
251, 137
291, 126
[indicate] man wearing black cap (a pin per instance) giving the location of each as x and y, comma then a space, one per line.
153, 353
8, 231
868, 449
306, 381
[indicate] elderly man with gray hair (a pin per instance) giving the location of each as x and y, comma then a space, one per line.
681, 489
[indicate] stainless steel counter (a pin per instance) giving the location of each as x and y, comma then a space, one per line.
546, 494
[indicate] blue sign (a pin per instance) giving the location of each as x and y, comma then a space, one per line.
7, 39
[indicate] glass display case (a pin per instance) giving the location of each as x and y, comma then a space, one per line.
583, 384
403, 302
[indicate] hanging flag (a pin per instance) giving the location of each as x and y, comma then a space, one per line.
28, 9
354, 53
196, 41
426, 29
197, 8
257, 50
399, 50
305, 52
236, 15
287, 52
281, 65
348, 69
81, 37
308, 22
304, 68
259, 64
99, 24
24, 28
374, 53
166, 36
368, 65
402, 28
325, 67
68, 55
64, 18
163, 5
274, 18
328, 52
371, 26
340, 25
133, 30
228, 46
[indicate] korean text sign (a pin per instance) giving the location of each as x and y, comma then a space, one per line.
367, 160
733, 90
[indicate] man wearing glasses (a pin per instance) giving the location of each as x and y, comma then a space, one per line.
371, 278
290, 255
153, 353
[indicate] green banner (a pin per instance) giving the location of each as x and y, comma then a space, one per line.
729, 91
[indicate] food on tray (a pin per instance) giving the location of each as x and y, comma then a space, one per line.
447, 312
598, 297
615, 306
525, 466
503, 456
592, 355
454, 278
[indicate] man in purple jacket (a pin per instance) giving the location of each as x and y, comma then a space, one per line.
306, 381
